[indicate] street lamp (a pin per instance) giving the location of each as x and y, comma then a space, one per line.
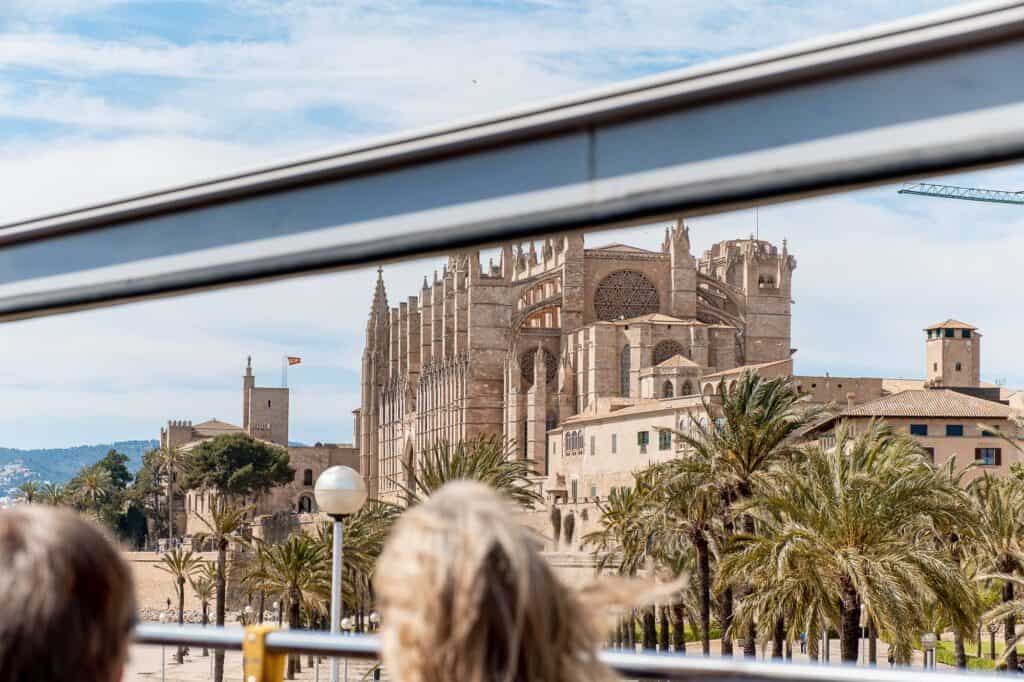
993, 628
247, 615
339, 492
163, 652
928, 640
280, 612
374, 620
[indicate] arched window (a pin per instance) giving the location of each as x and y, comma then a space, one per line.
667, 390
305, 505
667, 349
624, 372
307, 477
687, 388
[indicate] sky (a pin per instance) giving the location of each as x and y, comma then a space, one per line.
103, 98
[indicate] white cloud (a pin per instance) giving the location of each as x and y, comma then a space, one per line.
873, 268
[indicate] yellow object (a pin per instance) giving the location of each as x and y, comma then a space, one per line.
259, 665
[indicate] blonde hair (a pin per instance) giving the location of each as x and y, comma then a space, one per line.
465, 595
67, 603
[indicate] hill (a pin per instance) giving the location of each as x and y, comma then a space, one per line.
58, 465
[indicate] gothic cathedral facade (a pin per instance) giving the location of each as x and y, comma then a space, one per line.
555, 330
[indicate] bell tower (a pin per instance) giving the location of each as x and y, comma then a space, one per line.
953, 354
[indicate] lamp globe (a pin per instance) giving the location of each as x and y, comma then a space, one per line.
340, 491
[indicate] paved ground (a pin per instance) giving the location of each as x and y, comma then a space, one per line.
145, 664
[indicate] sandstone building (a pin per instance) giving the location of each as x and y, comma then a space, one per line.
557, 332
264, 417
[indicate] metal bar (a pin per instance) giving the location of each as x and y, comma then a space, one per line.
993, 196
646, 665
936, 93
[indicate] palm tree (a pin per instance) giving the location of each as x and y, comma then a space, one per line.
365, 533
682, 503
298, 569
170, 462
624, 541
182, 566
92, 487
224, 524
839, 528
487, 459
29, 492
55, 494
204, 584
760, 427
998, 543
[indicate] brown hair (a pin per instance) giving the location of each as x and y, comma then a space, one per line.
67, 602
465, 595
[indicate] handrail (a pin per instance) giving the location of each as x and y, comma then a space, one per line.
662, 666
926, 95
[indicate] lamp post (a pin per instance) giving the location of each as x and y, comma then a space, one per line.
339, 492
346, 627
374, 621
279, 607
993, 628
163, 652
247, 615
928, 640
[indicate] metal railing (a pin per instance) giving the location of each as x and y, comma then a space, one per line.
661, 666
911, 98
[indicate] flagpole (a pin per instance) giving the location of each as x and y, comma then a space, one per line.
284, 371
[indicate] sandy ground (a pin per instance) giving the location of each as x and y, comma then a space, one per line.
145, 664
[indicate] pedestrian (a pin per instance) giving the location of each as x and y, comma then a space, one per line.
803, 642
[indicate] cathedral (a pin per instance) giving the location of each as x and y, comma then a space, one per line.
556, 330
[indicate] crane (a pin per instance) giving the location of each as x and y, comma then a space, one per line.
992, 196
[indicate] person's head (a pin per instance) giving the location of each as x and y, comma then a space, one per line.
67, 602
465, 595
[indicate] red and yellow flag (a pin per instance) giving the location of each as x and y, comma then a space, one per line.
292, 360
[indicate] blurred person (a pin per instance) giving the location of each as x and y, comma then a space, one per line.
67, 604
465, 595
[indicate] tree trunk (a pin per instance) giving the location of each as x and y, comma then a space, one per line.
649, 629
263, 598
813, 639
218, 654
205, 622
631, 631
181, 616
849, 634
789, 650
663, 629
704, 594
1009, 630
725, 605
750, 636
778, 639
679, 627
294, 662
958, 649
872, 643
170, 508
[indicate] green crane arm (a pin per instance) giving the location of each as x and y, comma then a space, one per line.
993, 196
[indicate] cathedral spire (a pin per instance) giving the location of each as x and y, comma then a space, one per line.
380, 295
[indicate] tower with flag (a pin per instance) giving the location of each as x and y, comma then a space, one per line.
286, 362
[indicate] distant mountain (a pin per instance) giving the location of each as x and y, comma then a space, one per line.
58, 465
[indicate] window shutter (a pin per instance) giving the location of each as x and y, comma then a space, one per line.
999, 456
977, 454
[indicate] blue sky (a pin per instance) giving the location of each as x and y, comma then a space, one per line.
100, 98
